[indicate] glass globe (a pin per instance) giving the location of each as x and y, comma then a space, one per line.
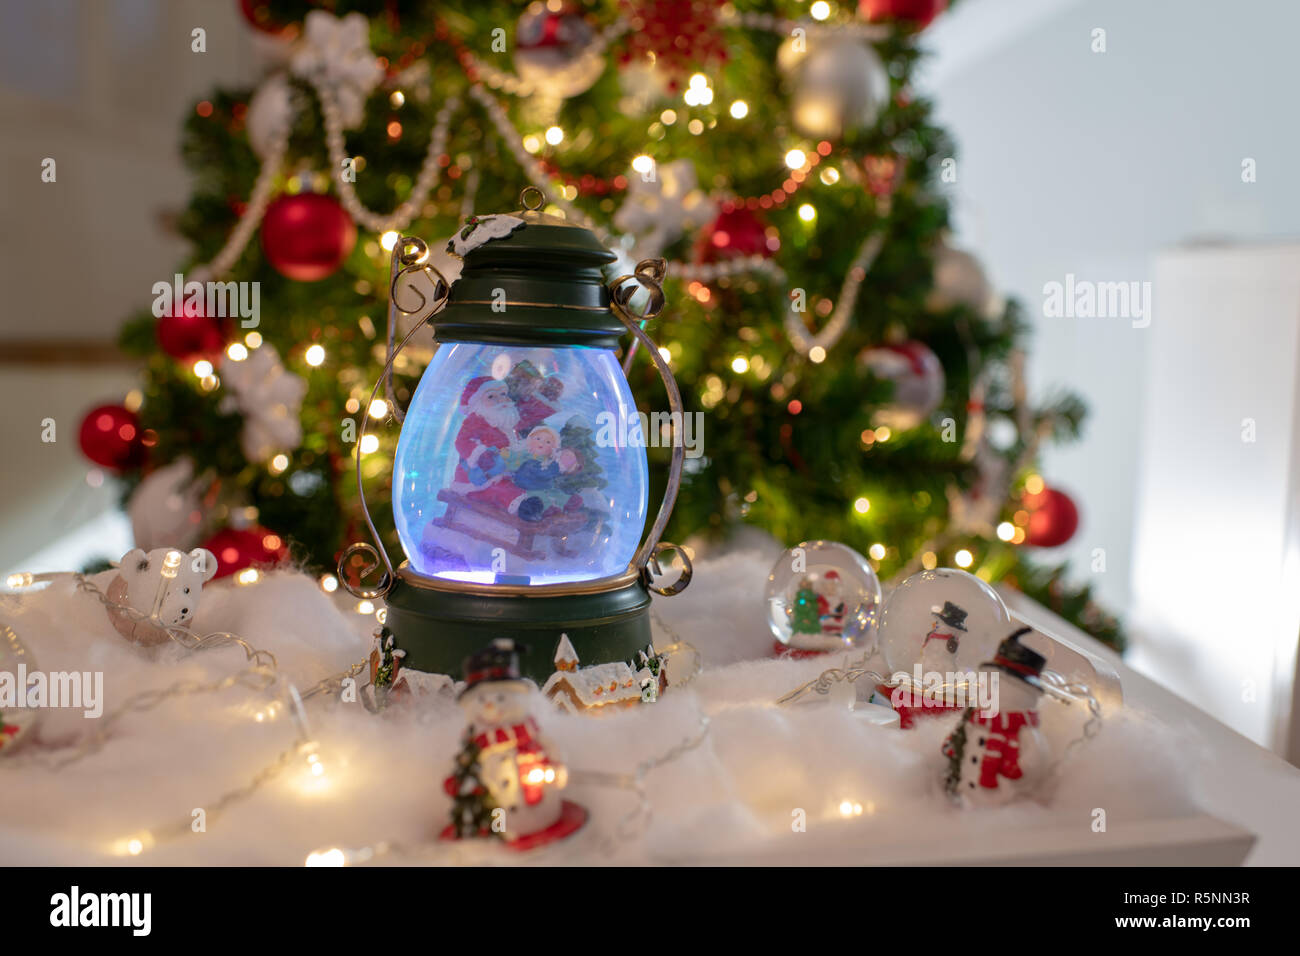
822, 596
945, 620
520, 465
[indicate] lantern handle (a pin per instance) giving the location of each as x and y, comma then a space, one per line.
651, 547
417, 258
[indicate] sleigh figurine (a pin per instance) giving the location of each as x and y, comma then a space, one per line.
497, 526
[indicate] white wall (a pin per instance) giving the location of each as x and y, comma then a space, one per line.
1089, 163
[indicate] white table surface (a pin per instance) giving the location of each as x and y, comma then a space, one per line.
1251, 786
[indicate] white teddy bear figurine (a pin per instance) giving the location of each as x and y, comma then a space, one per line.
164, 585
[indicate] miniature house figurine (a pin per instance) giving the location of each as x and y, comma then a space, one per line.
577, 689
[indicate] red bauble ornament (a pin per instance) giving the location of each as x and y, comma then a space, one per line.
1053, 518
680, 35
111, 436
187, 337
308, 236
237, 549
736, 232
258, 15
918, 12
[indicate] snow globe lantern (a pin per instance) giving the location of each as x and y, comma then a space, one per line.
520, 485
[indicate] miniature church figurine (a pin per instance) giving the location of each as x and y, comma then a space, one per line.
507, 779
994, 756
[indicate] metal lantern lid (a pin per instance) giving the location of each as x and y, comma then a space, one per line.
529, 278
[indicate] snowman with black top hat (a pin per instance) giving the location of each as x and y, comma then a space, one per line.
507, 778
998, 753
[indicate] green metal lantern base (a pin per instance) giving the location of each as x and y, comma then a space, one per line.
439, 629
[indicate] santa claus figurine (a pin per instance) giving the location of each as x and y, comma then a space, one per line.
484, 444
995, 754
507, 779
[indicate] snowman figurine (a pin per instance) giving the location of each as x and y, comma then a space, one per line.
507, 779
938, 655
993, 757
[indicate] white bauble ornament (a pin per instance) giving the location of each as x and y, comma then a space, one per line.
557, 53
270, 114
918, 380
164, 586
822, 596
165, 507
334, 54
945, 620
959, 280
839, 84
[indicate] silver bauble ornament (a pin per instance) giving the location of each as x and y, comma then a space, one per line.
839, 84
557, 53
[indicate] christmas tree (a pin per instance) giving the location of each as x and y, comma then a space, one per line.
804, 618
859, 379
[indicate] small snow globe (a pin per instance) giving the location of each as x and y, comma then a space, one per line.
520, 484
822, 596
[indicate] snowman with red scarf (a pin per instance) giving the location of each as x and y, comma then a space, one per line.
513, 771
997, 754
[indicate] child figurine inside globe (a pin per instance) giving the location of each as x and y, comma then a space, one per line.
822, 596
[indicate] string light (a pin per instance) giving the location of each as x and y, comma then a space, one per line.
314, 355
862, 506
817, 355
1006, 531
829, 175
643, 164
388, 240
807, 212
379, 408
820, 10
555, 136
278, 464
203, 368
963, 558
248, 576
739, 109
397, 98
929, 560
369, 444
1034, 484
796, 159
850, 808
22, 579
329, 583
740, 365
237, 352
877, 551
253, 339
883, 433
331, 857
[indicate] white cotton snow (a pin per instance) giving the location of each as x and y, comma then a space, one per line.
864, 794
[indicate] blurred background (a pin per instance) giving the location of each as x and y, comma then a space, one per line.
1128, 165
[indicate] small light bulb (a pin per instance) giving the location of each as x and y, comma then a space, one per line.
314, 355
331, 857
963, 558
820, 10
365, 607
1034, 484
397, 98
555, 136
388, 240
796, 158
807, 212
739, 109
817, 355
877, 551
829, 175
369, 444
643, 164
929, 560
862, 506
329, 583
378, 408
698, 80
237, 352
22, 579
202, 368
278, 464
247, 576
740, 365
532, 143
253, 339
1006, 531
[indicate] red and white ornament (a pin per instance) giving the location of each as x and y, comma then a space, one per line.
557, 51
918, 380
308, 236
111, 436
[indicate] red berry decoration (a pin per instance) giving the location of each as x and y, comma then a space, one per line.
187, 337
736, 232
1053, 518
918, 12
308, 236
241, 548
111, 436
